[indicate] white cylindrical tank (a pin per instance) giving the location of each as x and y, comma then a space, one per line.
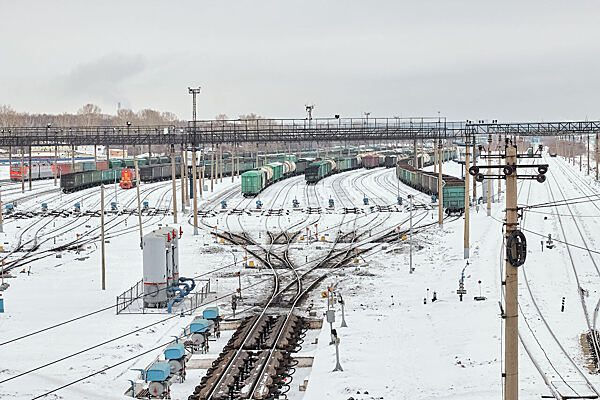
161, 265
155, 271
268, 171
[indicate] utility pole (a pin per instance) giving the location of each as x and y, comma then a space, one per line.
1, 217
596, 154
212, 169
195, 189
511, 349
474, 181
515, 254
30, 169
183, 170
467, 197
55, 163
588, 154
410, 256
139, 201
440, 185
488, 181
102, 245
174, 184
23, 170
232, 166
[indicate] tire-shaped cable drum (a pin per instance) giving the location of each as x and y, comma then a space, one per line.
517, 241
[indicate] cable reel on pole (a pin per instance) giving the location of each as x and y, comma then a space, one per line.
516, 248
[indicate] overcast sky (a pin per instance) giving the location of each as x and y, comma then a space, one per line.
510, 60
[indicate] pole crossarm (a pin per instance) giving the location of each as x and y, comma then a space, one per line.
284, 130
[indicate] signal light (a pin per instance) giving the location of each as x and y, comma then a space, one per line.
479, 178
474, 170
541, 178
508, 170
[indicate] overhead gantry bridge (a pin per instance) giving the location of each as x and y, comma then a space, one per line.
348, 130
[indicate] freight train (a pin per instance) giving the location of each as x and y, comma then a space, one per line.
453, 188
118, 170
318, 170
256, 180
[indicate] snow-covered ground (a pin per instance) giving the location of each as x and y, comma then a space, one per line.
398, 343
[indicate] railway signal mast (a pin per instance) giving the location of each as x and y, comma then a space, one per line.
516, 251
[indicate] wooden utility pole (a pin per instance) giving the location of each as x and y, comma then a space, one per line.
195, 189
102, 244
440, 186
55, 163
174, 184
139, 206
511, 327
467, 197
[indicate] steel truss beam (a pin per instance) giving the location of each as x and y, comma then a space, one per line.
284, 130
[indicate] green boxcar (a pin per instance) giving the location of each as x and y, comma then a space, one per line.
109, 175
116, 163
252, 183
277, 171
128, 162
454, 196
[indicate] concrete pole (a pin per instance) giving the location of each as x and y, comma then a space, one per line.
201, 172
22, 170
232, 167
256, 166
95, 157
588, 154
488, 181
102, 244
55, 172
30, 169
1, 218
440, 186
139, 206
182, 175
10, 158
474, 181
73, 157
195, 189
410, 257
499, 162
212, 170
467, 197
174, 184
596, 154
415, 158
220, 164
511, 327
